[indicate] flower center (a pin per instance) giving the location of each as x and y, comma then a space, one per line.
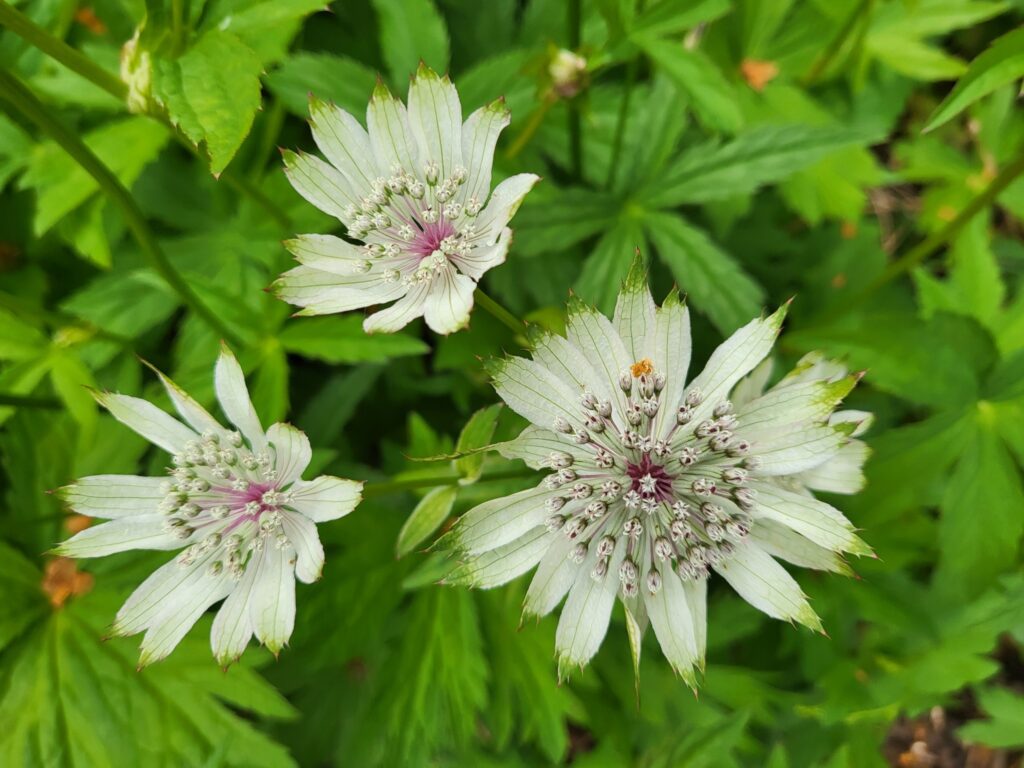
650, 480
430, 238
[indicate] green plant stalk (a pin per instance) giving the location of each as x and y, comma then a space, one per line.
510, 321
935, 241
536, 118
384, 487
28, 401
575, 118
55, 48
21, 99
32, 33
620, 123
836, 44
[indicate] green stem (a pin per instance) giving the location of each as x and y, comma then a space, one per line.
57, 49
935, 241
620, 124
531, 127
836, 44
32, 33
575, 118
512, 322
28, 401
385, 487
21, 99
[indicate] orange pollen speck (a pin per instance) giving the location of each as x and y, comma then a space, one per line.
640, 367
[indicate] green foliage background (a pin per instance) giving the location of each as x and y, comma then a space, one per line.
902, 247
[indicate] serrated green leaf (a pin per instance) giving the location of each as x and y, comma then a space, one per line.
608, 264
342, 340
761, 156
125, 147
426, 518
674, 16
711, 278
212, 93
711, 96
981, 523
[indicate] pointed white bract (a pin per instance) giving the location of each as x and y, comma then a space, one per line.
415, 189
234, 504
654, 483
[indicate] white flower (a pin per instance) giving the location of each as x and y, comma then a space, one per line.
655, 483
416, 190
234, 503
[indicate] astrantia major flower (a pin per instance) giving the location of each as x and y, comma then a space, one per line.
415, 189
234, 503
654, 483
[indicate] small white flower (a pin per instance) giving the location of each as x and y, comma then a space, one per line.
416, 189
710, 490
236, 506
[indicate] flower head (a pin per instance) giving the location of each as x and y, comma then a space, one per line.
416, 190
654, 482
234, 504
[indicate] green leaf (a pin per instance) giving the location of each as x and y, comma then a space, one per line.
212, 93
426, 518
346, 82
1005, 728
916, 59
1000, 65
68, 698
125, 146
608, 265
670, 17
711, 278
476, 434
265, 26
711, 95
270, 385
71, 380
411, 31
18, 339
716, 171
552, 218
981, 524
342, 340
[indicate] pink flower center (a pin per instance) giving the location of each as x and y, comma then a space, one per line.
429, 237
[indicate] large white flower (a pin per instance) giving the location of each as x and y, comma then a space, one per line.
235, 504
416, 190
655, 483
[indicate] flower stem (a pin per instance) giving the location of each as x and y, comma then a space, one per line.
512, 322
575, 118
384, 487
936, 240
28, 401
531, 127
32, 33
620, 125
22, 99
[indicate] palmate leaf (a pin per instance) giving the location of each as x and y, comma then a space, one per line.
715, 171
608, 263
981, 523
67, 698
